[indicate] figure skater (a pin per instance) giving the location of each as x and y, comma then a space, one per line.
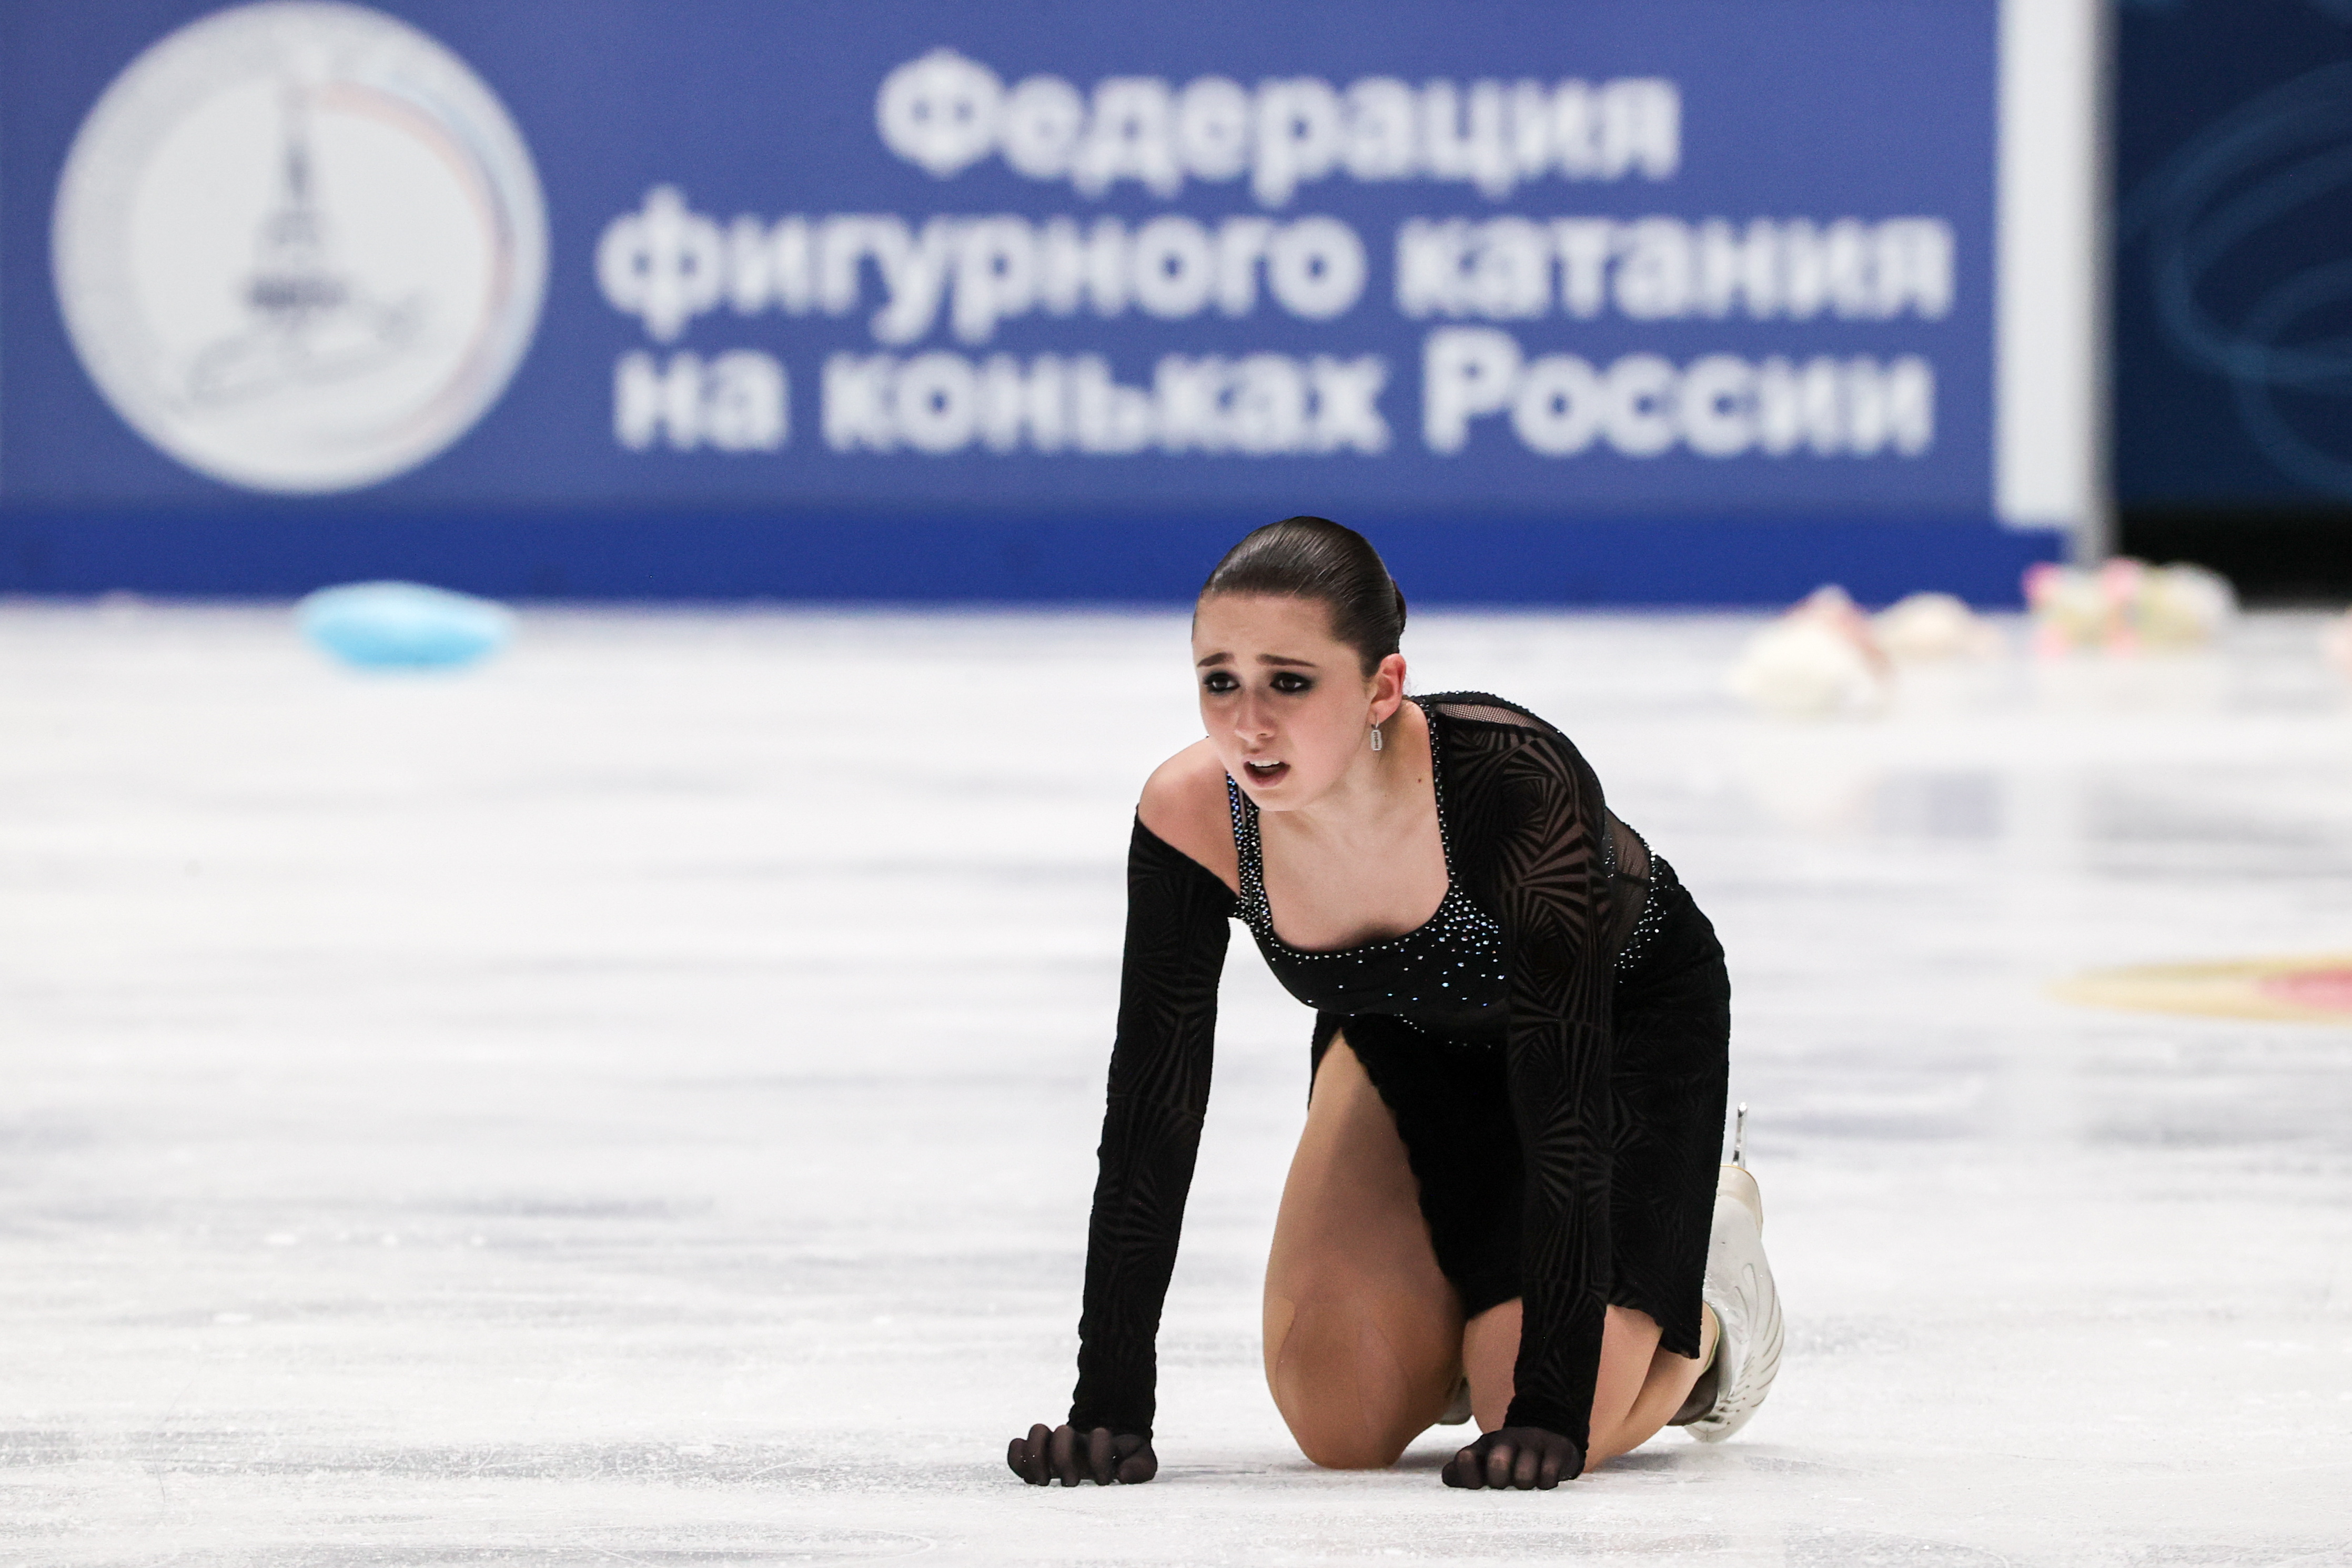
1507, 1202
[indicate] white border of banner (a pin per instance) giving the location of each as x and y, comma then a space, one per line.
2050, 332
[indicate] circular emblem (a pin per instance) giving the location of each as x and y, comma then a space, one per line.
299, 245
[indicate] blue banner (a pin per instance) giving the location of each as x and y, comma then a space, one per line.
1026, 301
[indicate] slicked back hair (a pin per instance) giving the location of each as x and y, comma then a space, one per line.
1317, 559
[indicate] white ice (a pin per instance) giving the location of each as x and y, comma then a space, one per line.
635, 1104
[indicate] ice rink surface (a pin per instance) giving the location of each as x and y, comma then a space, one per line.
635, 1104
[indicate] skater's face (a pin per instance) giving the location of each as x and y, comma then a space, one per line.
1286, 705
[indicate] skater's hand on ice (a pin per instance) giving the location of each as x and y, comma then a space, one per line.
1521, 1456
1093, 1455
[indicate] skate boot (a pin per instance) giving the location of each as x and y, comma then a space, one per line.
1458, 1411
1739, 1288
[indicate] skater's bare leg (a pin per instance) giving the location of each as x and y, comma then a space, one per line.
1490, 1348
1363, 1334
1640, 1386
1669, 1385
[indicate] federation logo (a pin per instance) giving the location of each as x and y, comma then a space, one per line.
300, 246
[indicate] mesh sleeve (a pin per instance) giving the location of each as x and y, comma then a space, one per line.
1539, 818
1177, 913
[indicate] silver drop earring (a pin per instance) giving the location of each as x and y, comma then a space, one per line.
1376, 737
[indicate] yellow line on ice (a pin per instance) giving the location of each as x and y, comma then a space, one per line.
2233, 988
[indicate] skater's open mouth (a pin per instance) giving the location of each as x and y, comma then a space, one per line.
1266, 772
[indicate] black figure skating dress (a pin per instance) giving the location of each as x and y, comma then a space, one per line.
1552, 1043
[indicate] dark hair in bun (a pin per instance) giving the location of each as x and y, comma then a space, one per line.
1315, 557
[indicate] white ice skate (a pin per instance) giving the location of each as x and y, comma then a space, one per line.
1739, 1288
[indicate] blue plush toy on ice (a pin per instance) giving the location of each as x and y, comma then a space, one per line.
403, 625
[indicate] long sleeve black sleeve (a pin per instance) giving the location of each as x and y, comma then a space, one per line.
1534, 812
1160, 1067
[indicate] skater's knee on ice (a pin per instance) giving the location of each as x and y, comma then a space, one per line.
1350, 1400
1340, 1433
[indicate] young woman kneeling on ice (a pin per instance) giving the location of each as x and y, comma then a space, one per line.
1507, 1202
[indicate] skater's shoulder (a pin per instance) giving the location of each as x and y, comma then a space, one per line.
1477, 731
1184, 805
1487, 710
